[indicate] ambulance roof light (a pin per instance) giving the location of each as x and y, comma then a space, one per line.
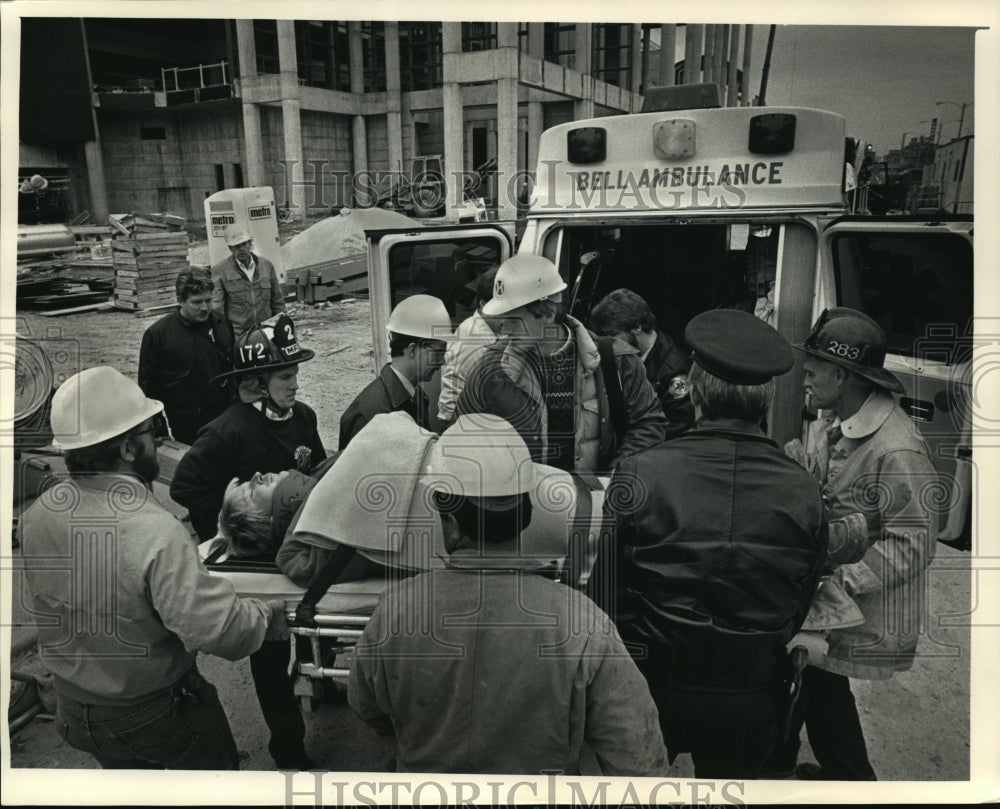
587, 144
772, 133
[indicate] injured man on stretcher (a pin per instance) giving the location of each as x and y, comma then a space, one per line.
367, 509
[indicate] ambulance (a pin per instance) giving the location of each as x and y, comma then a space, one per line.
751, 208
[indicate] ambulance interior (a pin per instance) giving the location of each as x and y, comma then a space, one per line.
915, 286
680, 270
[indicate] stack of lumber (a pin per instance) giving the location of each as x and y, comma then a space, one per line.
149, 251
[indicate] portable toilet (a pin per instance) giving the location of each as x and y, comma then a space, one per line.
252, 208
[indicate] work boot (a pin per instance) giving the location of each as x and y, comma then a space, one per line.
808, 771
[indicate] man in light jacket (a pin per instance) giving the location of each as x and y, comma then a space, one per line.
123, 601
246, 287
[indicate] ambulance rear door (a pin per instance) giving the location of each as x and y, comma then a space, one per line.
443, 262
914, 276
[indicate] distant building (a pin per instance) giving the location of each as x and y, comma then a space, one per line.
145, 114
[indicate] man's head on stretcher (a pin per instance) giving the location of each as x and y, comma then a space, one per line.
405, 498
246, 518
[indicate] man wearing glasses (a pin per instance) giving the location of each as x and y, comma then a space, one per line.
124, 604
246, 288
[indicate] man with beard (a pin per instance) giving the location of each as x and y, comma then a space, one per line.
419, 327
124, 603
182, 352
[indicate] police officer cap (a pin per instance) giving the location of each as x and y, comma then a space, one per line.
738, 347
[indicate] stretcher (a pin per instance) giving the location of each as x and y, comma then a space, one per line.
323, 645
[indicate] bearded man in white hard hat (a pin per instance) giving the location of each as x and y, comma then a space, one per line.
124, 603
488, 665
246, 288
578, 407
419, 327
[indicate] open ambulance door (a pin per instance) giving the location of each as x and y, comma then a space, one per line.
443, 262
915, 278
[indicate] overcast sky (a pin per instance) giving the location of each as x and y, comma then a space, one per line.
883, 79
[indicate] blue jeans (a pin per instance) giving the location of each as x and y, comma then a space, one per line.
181, 728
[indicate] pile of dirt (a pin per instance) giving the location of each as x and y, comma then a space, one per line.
340, 236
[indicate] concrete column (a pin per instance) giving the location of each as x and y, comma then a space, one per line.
253, 145
291, 123
394, 101
454, 119
507, 35
536, 124
536, 40
668, 47
584, 47
359, 134
719, 48
359, 129
92, 153
356, 57
709, 70
640, 61
253, 141
692, 53
95, 178
246, 48
584, 106
507, 147
734, 55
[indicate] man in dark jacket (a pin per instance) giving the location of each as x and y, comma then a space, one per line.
419, 327
267, 431
626, 316
721, 540
182, 352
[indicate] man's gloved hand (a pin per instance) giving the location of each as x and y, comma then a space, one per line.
277, 625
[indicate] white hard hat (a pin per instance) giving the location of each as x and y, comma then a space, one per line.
480, 455
97, 404
235, 234
421, 316
520, 280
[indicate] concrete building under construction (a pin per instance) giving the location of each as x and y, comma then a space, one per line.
155, 115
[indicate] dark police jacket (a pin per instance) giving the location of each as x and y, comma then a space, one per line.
664, 362
719, 555
384, 394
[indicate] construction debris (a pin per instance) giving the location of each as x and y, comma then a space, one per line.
148, 255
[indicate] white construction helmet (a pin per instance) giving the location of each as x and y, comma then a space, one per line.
520, 280
97, 404
236, 234
481, 455
421, 316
